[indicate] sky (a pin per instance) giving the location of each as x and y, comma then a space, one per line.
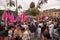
25, 4
51, 4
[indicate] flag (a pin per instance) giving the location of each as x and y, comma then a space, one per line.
18, 18
12, 17
40, 16
9, 16
23, 17
4, 15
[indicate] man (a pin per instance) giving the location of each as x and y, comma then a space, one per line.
57, 33
51, 29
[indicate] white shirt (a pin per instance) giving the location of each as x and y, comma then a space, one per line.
46, 17
51, 27
39, 30
10, 33
26, 35
40, 24
25, 26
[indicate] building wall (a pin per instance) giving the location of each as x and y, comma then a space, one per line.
53, 13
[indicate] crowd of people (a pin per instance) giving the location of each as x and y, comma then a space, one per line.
47, 28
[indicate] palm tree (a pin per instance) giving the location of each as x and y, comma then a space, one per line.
11, 3
41, 2
20, 6
32, 5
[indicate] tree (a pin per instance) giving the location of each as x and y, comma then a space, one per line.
11, 3
32, 11
20, 6
28, 12
32, 5
41, 2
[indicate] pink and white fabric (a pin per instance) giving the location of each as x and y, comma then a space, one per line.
9, 16
18, 18
23, 17
4, 15
12, 17
41, 16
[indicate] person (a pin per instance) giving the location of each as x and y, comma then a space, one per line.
15, 24
24, 25
5, 33
46, 36
26, 35
1, 28
51, 29
18, 33
10, 32
57, 33
32, 28
3, 25
39, 31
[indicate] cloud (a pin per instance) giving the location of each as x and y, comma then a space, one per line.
26, 3
51, 4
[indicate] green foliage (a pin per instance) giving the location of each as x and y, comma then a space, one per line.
32, 11
32, 5
28, 12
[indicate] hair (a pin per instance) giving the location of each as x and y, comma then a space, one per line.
9, 27
41, 21
22, 29
39, 26
15, 23
46, 34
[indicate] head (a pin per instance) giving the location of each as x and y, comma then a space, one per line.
15, 23
41, 21
10, 27
22, 29
18, 27
24, 23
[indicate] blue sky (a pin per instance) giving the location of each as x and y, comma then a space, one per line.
25, 4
